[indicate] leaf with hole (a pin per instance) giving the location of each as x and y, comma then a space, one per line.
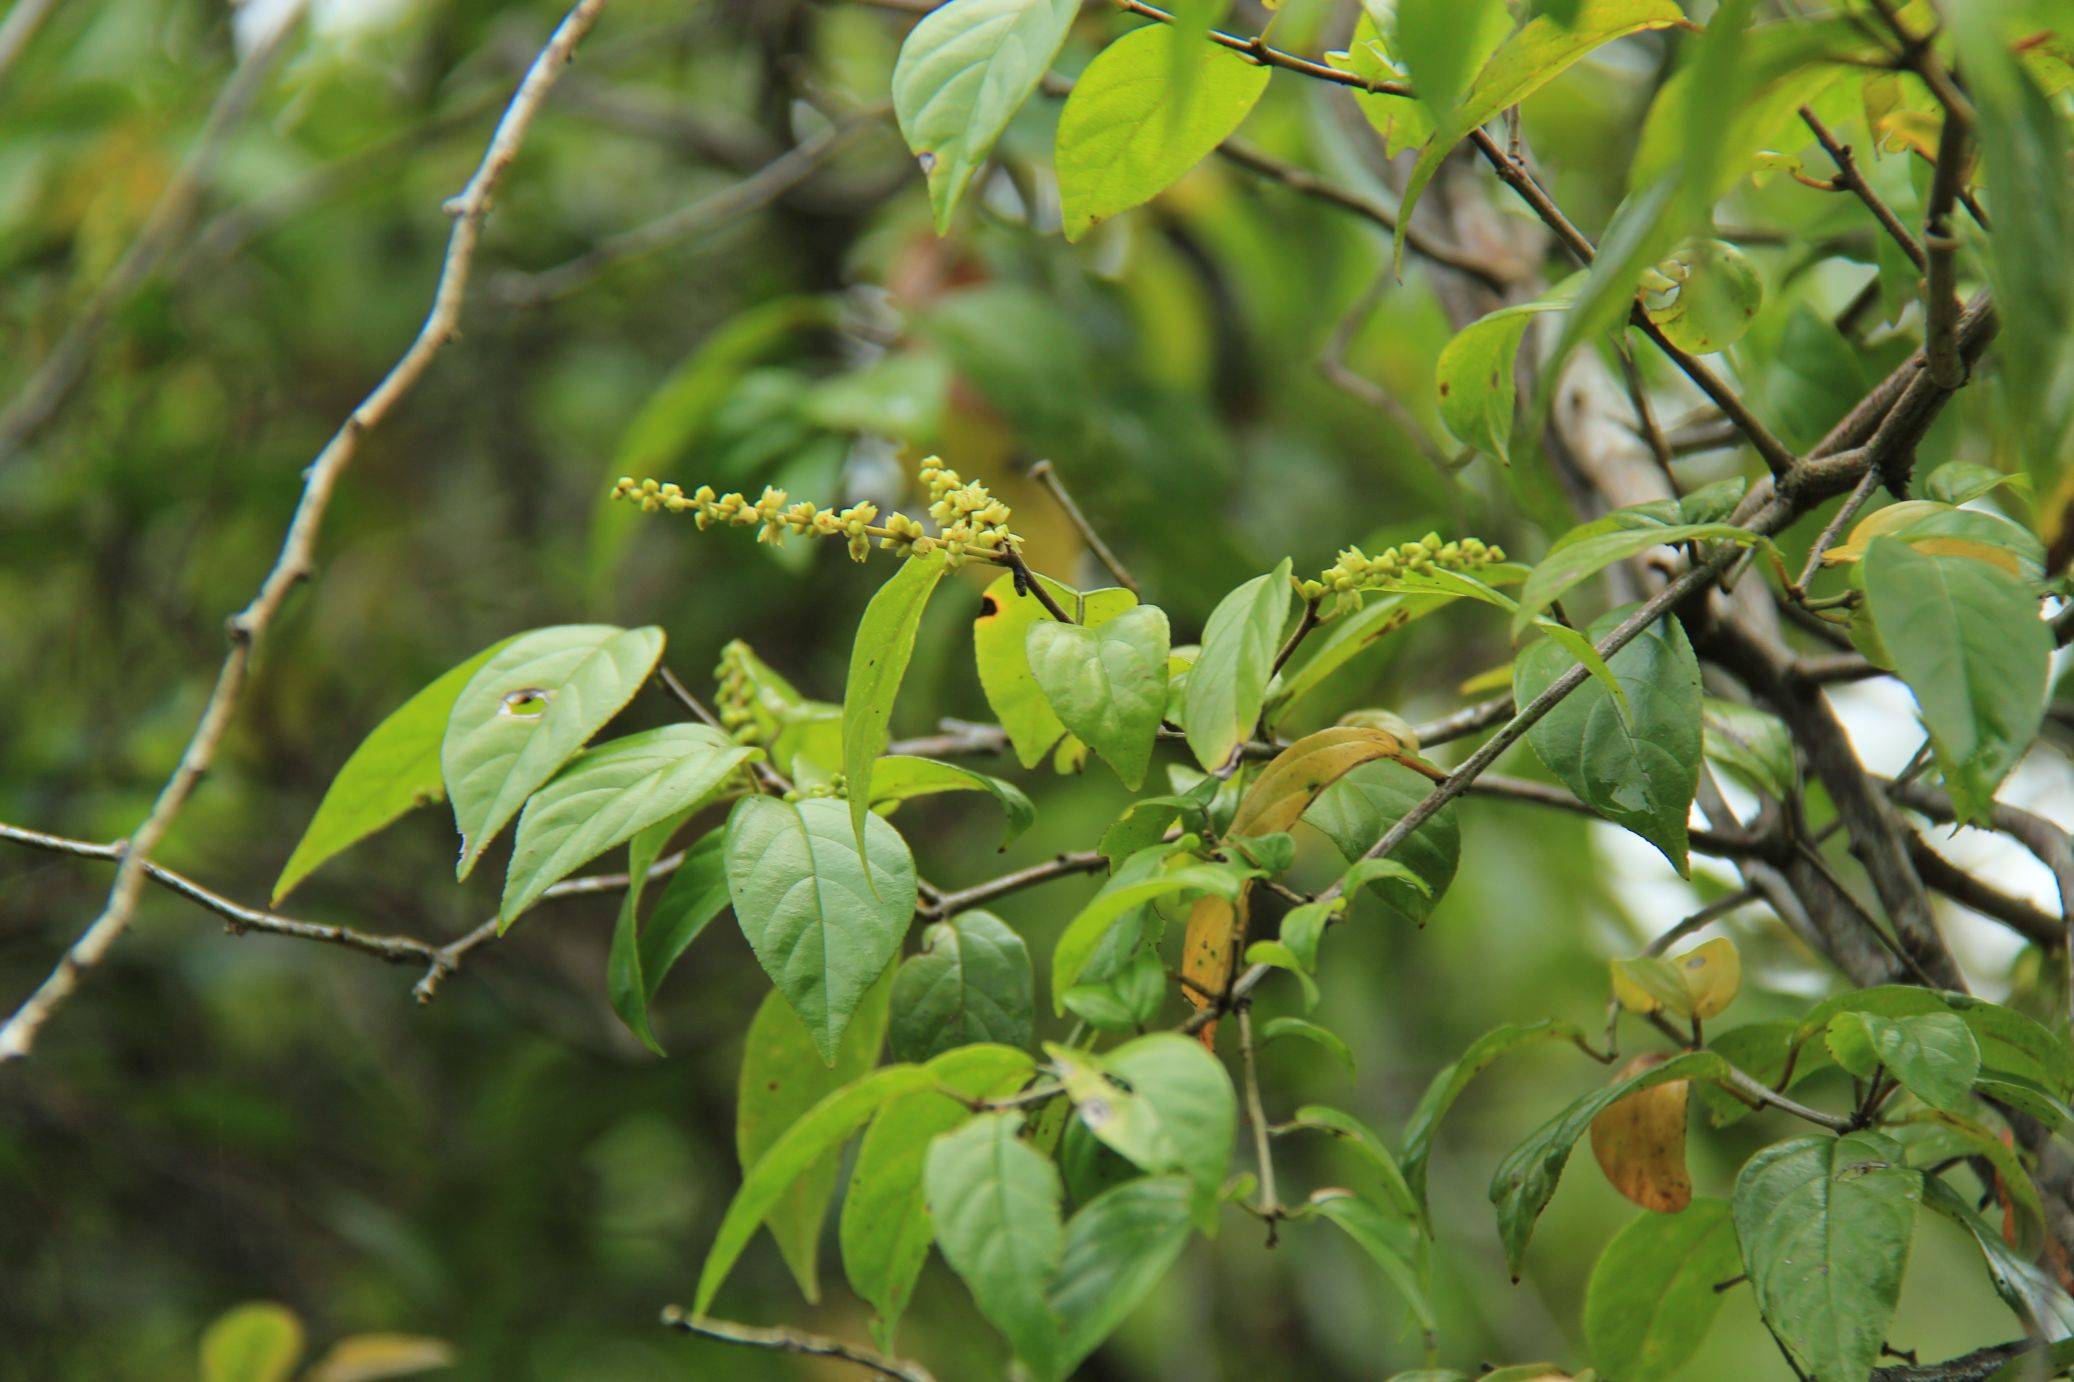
395, 769
962, 74
527, 711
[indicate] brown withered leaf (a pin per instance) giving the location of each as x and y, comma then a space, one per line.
1640, 1142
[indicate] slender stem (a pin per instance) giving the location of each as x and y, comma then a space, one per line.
1940, 289
1850, 178
794, 1341
1047, 475
1270, 1207
1064, 866
1834, 529
1304, 625
766, 775
1027, 580
1257, 50
248, 628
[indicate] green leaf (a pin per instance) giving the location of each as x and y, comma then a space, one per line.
2013, 1048
607, 795
1229, 680
812, 1141
1126, 134
1117, 1248
697, 893
1825, 1224
1638, 771
886, 1229
1749, 744
783, 1076
527, 711
2031, 1291
897, 778
998, 646
1162, 1101
1535, 55
1526, 1179
995, 1201
1145, 822
1652, 1296
963, 73
1933, 1055
1401, 120
1150, 873
256, 1342
1391, 1244
824, 918
1353, 1133
1107, 685
1447, 1086
1330, 1043
1345, 638
395, 769
1474, 374
1571, 563
1703, 297
1443, 43
1356, 811
1304, 924
1966, 638
624, 984
971, 982
878, 660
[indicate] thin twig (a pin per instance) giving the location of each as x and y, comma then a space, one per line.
752, 193
1270, 1207
794, 1341
293, 566
1850, 178
1835, 527
1062, 866
1940, 276
46, 390
1047, 475
1256, 50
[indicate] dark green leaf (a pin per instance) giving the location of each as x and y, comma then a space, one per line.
1653, 1295
1117, 1248
1933, 1055
970, 983
1360, 808
995, 1201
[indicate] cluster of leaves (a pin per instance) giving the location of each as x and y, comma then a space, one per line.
1061, 1178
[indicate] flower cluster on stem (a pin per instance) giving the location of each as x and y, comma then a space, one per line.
1356, 571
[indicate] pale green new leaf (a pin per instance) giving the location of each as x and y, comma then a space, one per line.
970, 982
527, 711
1126, 134
1966, 637
878, 660
607, 795
962, 74
824, 917
898, 777
1569, 564
1226, 686
1108, 684
995, 1200
1638, 771
255, 1342
783, 1075
1654, 1293
395, 769
1825, 1224
885, 1228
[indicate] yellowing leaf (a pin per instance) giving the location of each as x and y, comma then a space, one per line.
1640, 1142
1712, 973
1699, 983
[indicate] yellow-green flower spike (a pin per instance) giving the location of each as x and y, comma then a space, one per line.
1356, 571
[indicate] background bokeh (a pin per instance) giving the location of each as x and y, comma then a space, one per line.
214, 1120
